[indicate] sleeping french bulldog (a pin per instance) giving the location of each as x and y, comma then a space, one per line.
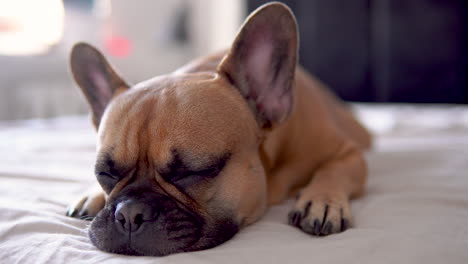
186, 160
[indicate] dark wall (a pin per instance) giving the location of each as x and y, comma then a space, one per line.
385, 50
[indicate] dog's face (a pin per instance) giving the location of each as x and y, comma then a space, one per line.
185, 167
178, 155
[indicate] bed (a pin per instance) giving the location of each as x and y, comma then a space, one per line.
415, 210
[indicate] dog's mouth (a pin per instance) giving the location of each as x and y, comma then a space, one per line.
171, 230
152, 241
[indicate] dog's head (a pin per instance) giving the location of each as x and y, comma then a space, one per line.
178, 155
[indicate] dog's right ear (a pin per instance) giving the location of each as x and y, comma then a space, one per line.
96, 78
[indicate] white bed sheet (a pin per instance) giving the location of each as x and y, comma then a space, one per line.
416, 209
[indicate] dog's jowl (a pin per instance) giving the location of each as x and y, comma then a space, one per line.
186, 160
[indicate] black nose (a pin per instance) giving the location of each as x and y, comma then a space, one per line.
130, 215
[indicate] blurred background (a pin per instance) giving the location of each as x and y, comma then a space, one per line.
412, 51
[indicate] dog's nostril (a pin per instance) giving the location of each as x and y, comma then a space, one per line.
138, 219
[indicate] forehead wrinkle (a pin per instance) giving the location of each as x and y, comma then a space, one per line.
161, 126
117, 130
159, 123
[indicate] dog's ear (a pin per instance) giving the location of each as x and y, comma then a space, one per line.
96, 78
262, 61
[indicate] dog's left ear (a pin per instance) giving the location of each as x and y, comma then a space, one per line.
96, 78
262, 60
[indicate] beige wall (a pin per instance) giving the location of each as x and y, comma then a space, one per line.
40, 86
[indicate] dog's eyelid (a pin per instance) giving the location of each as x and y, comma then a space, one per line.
103, 173
209, 171
212, 169
108, 167
106, 174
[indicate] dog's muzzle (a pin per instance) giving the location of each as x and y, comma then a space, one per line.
141, 222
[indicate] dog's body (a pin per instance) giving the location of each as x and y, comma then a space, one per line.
187, 159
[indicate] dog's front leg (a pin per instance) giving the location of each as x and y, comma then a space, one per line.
88, 205
322, 207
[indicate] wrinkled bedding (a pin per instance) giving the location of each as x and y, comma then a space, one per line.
415, 210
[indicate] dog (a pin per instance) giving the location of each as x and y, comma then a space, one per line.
186, 160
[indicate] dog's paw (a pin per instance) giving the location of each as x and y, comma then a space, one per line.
87, 207
321, 215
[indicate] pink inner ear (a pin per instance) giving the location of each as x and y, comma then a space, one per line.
271, 98
258, 64
103, 91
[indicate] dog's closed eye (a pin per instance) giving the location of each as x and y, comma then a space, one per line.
107, 180
181, 173
204, 173
105, 174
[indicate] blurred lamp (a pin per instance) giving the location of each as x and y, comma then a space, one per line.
29, 27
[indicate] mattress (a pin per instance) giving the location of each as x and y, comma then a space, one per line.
415, 210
